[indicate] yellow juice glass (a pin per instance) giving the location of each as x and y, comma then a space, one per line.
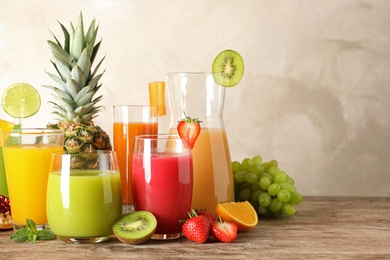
27, 156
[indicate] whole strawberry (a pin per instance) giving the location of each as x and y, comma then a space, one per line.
189, 130
224, 231
196, 228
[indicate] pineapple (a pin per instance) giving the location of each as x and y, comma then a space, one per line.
76, 86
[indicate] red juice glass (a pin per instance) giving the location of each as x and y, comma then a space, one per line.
162, 181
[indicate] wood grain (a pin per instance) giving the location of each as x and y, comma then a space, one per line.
324, 228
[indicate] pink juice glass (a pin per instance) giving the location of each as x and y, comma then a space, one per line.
162, 181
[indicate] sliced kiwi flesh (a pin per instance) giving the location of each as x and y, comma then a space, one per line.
228, 68
135, 228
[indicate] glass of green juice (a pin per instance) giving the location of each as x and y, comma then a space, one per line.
84, 196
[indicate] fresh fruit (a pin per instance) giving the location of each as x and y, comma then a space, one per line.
157, 96
135, 228
196, 228
207, 215
224, 231
5, 213
228, 68
271, 193
5, 127
21, 100
189, 130
241, 213
76, 85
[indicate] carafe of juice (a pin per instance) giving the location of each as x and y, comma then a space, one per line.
198, 96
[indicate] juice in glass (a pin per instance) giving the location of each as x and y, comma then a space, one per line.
162, 182
124, 134
211, 159
84, 203
27, 167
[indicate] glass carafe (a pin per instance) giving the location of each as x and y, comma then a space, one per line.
198, 96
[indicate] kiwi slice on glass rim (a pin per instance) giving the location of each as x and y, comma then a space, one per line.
135, 228
228, 68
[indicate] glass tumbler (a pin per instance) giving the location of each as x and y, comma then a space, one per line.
84, 196
162, 181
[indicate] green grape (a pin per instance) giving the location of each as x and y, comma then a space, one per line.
265, 165
257, 159
288, 209
236, 166
246, 164
240, 176
273, 171
254, 203
290, 181
273, 189
284, 195
275, 205
269, 176
272, 163
296, 198
246, 194
252, 177
280, 177
257, 168
256, 186
264, 183
264, 199
288, 186
262, 210
256, 194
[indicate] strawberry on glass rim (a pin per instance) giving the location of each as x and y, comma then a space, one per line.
189, 130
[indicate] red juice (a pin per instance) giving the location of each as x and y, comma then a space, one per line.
162, 185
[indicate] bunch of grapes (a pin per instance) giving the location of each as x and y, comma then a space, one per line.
268, 188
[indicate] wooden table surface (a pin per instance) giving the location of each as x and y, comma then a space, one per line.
324, 228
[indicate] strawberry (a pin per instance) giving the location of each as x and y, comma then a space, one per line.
206, 214
189, 130
196, 228
224, 231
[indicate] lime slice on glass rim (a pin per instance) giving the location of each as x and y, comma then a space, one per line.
21, 100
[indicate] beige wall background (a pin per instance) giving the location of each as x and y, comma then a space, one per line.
316, 91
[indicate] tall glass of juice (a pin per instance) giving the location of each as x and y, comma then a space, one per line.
84, 196
199, 96
27, 155
130, 121
162, 181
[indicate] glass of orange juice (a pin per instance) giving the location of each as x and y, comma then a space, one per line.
27, 155
130, 121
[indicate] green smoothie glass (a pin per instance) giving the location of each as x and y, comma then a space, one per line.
84, 196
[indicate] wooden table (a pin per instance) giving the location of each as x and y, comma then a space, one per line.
324, 228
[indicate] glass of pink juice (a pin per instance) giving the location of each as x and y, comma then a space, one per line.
162, 181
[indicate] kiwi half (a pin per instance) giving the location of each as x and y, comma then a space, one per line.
228, 68
135, 228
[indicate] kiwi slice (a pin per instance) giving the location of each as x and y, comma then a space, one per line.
228, 68
135, 228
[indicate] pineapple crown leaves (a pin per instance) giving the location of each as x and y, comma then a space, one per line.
76, 83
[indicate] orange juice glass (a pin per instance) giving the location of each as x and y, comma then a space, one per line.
27, 157
198, 96
130, 121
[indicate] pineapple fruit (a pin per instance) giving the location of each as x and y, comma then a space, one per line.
76, 85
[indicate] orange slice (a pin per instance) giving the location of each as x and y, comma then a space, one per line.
5, 127
157, 96
242, 213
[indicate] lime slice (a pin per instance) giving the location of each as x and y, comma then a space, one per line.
21, 100
5, 126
